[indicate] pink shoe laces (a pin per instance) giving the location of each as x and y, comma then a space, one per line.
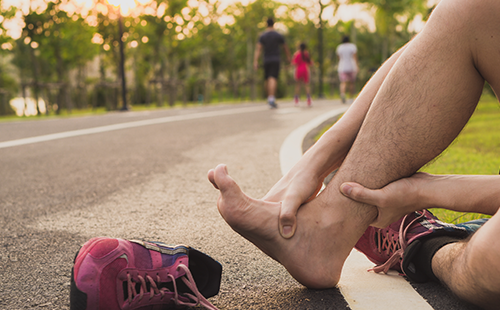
197, 299
387, 242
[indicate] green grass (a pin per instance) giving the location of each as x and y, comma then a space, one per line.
475, 151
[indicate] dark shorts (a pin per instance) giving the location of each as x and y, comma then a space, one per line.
271, 69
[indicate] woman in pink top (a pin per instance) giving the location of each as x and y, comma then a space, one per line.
302, 61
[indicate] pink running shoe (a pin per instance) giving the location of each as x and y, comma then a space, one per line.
386, 247
112, 274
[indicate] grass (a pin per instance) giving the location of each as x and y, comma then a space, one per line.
475, 151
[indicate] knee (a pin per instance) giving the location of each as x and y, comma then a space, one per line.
483, 264
467, 13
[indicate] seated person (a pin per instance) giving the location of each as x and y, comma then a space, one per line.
406, 115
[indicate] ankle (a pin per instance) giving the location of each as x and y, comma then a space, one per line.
362, 214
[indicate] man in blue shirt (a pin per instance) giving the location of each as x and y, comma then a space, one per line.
270, 41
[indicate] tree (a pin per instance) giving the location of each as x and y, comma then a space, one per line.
8, 85
393, 17
249, 23
162, 28
56, 43
322, 7
189, 46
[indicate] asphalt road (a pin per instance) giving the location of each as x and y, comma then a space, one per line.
146, 182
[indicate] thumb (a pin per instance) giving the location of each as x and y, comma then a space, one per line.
287, 220
360, 193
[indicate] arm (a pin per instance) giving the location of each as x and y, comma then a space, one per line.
258, 50
462, 193
294, 59
287, 53
304, 180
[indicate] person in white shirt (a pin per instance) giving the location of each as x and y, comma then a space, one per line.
347, 53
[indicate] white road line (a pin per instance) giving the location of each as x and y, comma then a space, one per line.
361, 289
161, 120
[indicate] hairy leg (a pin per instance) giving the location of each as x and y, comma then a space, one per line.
471, 269
422, 105
424, 102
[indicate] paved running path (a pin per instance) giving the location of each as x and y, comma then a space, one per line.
142, 175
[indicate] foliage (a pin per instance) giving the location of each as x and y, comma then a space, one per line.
52, 43
392, 18
184, 50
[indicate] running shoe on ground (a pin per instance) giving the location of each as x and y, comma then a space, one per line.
272, 104
388, 247
116, 274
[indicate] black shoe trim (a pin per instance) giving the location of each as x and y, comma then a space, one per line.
417, 258
206, 272
77, 298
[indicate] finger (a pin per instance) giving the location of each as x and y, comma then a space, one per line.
288, 218
359, 193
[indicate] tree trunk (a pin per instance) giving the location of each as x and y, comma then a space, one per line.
187, 78
250, 69
385, 49
36, 87
320, 51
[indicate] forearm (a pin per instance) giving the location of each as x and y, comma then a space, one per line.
462, 193
287, 52
256, 54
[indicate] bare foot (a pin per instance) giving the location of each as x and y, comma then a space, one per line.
314, 256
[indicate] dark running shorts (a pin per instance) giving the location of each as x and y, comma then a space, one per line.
271, 69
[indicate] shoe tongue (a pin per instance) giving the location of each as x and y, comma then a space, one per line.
182, 288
